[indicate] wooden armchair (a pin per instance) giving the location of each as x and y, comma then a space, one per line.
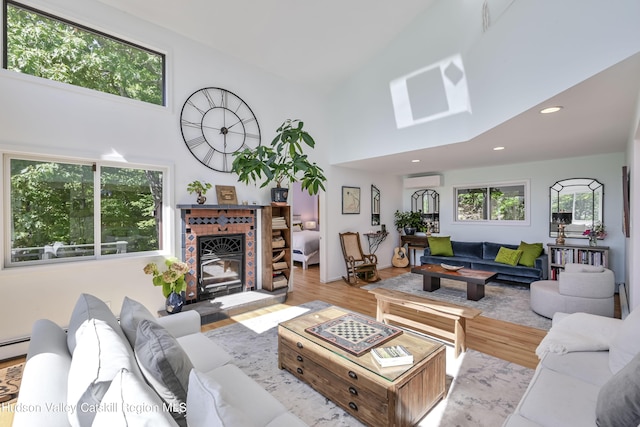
360, 266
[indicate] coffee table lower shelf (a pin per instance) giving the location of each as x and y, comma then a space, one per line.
370, 398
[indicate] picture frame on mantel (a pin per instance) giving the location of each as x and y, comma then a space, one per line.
350, 200
226, 195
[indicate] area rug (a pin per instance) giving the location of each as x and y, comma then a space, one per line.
10, 379
482, 390
508, 302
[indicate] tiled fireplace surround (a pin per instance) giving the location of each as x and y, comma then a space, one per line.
210, 220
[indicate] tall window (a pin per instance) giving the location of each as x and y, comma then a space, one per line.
500, 203
56, 208
43, 45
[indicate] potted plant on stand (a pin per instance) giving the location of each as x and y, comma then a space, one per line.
172, 282
410, 222
200, 189
283, 160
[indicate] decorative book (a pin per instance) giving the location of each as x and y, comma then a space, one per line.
394, 355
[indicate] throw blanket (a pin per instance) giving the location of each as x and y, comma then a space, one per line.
579, 332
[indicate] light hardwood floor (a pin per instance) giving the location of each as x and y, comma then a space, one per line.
507, 341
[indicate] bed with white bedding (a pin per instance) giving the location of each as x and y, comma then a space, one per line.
306, 247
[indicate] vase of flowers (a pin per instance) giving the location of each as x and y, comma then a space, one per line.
172, 282
594, 233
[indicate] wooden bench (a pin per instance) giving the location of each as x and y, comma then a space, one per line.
459, 314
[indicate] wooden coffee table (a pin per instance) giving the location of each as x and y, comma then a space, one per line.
476, 279
394, 396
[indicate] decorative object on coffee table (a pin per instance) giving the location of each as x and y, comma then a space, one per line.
354, 333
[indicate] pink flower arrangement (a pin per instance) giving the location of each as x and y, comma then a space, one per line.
597, 231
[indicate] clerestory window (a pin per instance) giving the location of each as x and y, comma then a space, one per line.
43, 45
71, 210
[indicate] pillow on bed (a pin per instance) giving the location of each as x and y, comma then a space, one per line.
296, 227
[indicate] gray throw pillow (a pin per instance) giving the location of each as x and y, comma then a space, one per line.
618, 403
89, 307
165, 366
131, 314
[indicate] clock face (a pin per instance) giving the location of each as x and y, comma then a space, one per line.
216, 123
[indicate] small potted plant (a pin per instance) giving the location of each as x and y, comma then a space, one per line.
283, 160
408, 221
200, 189
172, 282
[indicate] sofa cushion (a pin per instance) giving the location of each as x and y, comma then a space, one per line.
99, 355
247, 395
164, 365
626, 343
89, 307
471, 250
131, 314
440, 245
208, 405
530, 251
128, 402
555, 399
508, 256
619, 398
490, 250
589, 366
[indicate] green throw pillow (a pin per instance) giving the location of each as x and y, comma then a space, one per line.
530, 251
440, 245
508, 256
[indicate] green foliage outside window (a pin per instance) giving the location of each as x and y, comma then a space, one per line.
44, 46
53, 210
491, 203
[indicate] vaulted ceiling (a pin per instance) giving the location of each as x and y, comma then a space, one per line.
333, 39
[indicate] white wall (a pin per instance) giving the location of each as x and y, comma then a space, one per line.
332, 265
633, 243
536, 49
45, 117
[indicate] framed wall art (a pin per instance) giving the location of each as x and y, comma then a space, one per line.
226, 195
350, 200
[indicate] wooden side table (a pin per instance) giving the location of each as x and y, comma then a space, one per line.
413, 243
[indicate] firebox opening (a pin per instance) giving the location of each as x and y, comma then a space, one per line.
220, 265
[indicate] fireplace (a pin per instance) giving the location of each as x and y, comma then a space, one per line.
220, 265
208, 252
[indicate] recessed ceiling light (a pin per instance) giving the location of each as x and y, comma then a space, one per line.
415, 161
550, 110
498, 148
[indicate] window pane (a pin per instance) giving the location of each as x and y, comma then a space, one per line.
51, 210
472, 204
507, 203
131, 210
45, 46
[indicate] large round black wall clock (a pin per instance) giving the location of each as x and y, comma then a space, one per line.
215, 123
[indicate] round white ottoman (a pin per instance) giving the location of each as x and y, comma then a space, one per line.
545, 298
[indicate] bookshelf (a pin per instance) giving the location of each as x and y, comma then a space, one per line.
276, 242
559, 255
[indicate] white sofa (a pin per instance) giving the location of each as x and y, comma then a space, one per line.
588, 375
139, 371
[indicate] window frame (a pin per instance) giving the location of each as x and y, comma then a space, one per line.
488, 186
166, 230
87, 28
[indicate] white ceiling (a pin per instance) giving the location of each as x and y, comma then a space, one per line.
333, 38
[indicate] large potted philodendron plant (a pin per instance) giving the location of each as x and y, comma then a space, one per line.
283, 160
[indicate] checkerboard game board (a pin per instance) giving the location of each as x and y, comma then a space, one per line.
354, 333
